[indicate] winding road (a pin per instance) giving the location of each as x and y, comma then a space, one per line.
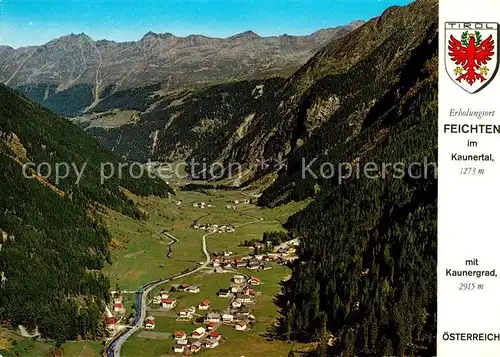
115, 346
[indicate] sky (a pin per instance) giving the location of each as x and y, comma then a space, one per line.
28, 22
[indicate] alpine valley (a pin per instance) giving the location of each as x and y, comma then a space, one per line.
338, 265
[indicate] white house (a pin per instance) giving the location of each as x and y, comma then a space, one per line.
157, 300
194, 289
179, 348
212, 343
198, 333
236, 304
150, 323
242, 298
118, 307
213, 317
186, 314
168, 303
254, 281
241, 326
227, 318
238, 279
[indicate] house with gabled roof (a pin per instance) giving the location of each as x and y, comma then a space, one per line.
179, 335
194, 289
215, 335
150, 323
223, 293
168, 303
213, 317
186, 313
227, 318
110, 323
198, 333
253, 264
240, 297
211, 343
118, 307
179, 348
238, 279
241, 326
204, 305
236, 304
196, 346
254, 281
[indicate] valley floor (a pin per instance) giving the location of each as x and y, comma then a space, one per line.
142, 260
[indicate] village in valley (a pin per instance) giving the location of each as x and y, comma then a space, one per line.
197, 314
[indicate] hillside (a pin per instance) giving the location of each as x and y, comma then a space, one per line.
74, 72
367, 271
52, 244
184, 125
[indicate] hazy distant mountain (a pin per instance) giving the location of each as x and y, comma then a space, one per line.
100, 67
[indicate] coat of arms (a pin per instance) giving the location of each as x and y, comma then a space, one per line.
471, 53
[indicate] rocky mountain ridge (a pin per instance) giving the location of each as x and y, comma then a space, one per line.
78, 69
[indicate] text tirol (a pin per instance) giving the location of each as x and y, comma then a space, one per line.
471, 25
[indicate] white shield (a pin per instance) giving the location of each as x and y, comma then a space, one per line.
471, 56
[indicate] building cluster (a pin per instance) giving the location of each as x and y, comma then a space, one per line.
200, 338
116, 313
224, 263
239, 314
215, 228
240, 202
201, 205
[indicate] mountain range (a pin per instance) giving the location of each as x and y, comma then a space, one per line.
75, 66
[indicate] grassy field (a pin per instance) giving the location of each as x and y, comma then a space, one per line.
12, 344
140, 250
82, 349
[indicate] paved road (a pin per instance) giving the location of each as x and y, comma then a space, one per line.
116, 344
114, 348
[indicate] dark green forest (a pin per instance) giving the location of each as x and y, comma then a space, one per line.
366, 278
51, 248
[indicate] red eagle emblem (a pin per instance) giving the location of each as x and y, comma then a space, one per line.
471, 55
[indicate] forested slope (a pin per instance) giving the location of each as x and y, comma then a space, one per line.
203, 124
367, 267
51, 245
